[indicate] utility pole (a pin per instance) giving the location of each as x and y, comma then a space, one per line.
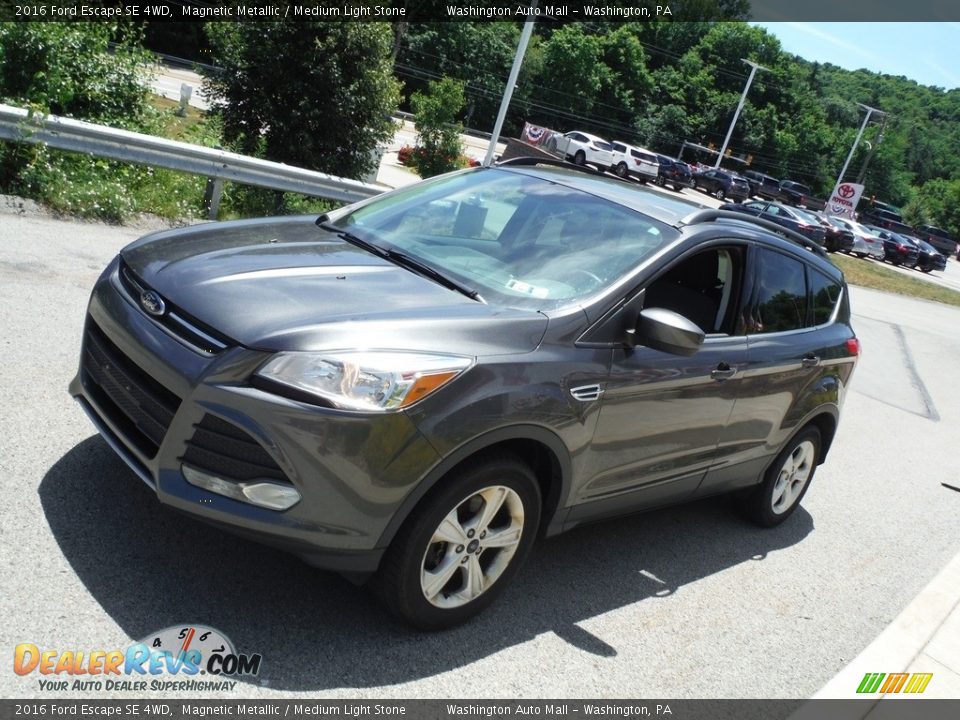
743, 98
511, 82
870, 111
861, 176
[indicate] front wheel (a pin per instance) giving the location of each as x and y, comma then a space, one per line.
621, 170
786, 481
580, 158
719, 194
660, 181
458, 552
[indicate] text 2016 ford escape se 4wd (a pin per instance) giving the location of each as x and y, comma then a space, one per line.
415, 387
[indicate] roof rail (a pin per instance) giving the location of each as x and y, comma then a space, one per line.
556, 162
702, 216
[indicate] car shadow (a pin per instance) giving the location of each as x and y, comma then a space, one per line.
150, 568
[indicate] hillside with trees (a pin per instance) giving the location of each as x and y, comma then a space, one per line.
659, 84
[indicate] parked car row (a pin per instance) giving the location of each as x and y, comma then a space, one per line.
806, 223
622, 159
880, 233
885, 217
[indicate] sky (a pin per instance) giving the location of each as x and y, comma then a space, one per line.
925, 52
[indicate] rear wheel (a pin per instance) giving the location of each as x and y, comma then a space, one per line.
458, 552
621, 170
786, 480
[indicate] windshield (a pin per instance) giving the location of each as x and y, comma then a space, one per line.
518, 240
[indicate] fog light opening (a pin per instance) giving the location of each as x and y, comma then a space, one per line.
261, 493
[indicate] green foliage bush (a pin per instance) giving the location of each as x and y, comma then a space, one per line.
68, 69
439, 149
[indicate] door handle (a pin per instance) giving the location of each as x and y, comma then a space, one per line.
810, 361
723, 372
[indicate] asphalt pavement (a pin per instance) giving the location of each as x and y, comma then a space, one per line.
689, 602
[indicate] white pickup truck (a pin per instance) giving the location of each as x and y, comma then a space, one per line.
630, 161
583, 148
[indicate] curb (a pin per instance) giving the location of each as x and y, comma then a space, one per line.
901, 648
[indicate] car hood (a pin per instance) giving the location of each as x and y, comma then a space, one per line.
285, 284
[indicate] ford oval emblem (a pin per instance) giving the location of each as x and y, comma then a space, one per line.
152, 303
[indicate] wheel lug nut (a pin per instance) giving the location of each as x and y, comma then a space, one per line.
464, 560
479, 550
483, 534
459, 548
470, 533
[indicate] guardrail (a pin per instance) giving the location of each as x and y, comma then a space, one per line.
218, 165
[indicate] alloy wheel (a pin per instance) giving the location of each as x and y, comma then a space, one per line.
472, 546
793, 477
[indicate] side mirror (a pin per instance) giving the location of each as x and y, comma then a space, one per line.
667, 331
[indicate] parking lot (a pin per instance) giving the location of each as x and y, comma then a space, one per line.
686, 602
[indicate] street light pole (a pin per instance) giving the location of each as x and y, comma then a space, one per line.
870, 111
511, 82
743, 98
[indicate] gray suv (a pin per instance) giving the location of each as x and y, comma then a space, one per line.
412, 389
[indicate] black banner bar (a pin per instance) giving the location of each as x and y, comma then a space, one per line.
914, 708
479, 10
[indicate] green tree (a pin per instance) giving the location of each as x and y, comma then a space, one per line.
313, 94
478, 54
69, 69
937, 202
439, 149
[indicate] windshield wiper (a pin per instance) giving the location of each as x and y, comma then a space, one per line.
421, 268
400, 258
354, 240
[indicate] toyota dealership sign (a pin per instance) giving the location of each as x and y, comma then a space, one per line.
843, 200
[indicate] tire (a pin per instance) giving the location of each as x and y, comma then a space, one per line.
660, 181
719, 194
620, 170
693, 184
927, 269
580, 158
427, 575
786, 480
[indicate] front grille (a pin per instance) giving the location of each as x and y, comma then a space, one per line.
137, 405
189, 330
222, 449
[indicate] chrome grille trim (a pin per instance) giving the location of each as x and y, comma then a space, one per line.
186, 331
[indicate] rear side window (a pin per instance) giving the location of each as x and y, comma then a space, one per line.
824, 295
781, 299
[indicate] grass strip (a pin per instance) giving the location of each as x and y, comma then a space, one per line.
871, 274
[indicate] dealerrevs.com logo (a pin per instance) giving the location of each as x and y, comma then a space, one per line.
181, 657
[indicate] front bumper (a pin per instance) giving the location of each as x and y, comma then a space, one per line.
352, 470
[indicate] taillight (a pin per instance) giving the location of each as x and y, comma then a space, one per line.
853, 346
902, 248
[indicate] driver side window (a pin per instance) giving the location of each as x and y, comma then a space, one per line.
704, 288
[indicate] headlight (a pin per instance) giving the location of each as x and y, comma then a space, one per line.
373, 380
